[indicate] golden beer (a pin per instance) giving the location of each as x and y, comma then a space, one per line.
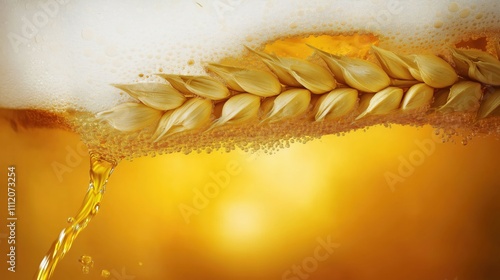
371, 202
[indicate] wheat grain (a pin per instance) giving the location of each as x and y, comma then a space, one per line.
257, 82
392, 64
490, 104
191, 115
477, 65
238, 109
274, 64
462, 58
431, 69
299, 73
289, 104
464, 96
336, 104
427, 68
155, 95
357, 73
203, 86
417, 96
258, 94
383, 102
130, 116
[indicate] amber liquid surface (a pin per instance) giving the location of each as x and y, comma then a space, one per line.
437, 223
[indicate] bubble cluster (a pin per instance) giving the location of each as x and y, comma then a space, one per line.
271, 137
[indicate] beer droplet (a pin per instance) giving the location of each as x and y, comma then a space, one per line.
190, 62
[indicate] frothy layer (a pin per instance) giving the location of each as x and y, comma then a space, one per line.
58, 55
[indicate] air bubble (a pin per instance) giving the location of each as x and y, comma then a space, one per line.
87, 263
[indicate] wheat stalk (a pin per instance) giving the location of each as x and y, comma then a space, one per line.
404, 83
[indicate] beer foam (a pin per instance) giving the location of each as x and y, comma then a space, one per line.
60, 54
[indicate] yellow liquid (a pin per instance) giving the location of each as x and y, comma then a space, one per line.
243, 224
100, 170
331, 186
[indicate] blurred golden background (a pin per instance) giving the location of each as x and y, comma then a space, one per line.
265, 216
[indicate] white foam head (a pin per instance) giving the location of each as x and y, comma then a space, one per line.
58, 53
